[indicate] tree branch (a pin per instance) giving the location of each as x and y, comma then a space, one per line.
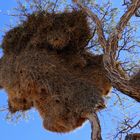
121, 83
126, 127
118, 80
95, 126
116, 35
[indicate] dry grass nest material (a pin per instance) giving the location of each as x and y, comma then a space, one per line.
58, 30
46, 66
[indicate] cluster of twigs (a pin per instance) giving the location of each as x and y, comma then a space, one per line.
126, 127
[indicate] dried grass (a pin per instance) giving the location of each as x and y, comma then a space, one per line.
61, 80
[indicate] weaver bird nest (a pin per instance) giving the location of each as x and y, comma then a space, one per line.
46, 66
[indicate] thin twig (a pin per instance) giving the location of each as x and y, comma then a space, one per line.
101, 36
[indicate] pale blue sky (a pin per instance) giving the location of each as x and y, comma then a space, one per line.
32, 129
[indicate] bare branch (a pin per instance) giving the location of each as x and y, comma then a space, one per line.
119, 79
95, 126
117, 34
127, 127
128, 14
101, 36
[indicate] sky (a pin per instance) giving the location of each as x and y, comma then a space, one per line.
31, 128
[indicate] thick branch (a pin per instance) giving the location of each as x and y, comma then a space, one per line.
128, 14
118, 81
116, 35
95, 126
121, 83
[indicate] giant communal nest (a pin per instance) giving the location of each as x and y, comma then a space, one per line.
45, 65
